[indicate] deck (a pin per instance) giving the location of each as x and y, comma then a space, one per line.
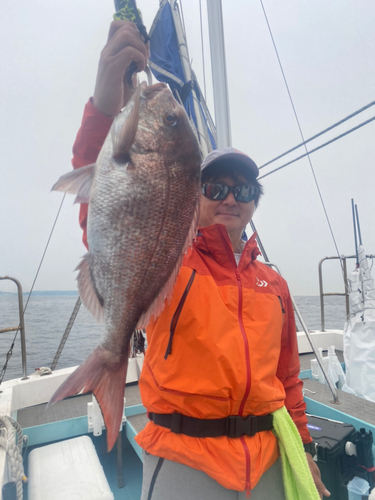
41, 424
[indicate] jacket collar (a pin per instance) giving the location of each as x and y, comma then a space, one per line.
215, 241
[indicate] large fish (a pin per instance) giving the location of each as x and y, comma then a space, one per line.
143, 209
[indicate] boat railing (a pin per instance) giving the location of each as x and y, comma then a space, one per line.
330, 384
322, 294
21, 325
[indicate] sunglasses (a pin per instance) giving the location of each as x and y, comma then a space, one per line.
218, 192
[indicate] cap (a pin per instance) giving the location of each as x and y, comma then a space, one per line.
231, 155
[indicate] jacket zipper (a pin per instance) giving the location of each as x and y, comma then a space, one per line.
247, 455
281, 304
247, 357
177, 313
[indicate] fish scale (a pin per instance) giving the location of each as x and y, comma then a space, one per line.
143, 209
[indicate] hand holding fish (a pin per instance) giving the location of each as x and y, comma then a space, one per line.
125, 44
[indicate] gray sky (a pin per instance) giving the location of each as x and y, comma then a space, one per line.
49, 57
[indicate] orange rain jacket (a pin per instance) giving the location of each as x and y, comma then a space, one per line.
233, 350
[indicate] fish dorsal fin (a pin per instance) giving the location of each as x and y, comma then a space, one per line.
123, 141
166, 293
77, 182
87, 290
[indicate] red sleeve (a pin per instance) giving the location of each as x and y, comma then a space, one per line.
88, 143
288, 371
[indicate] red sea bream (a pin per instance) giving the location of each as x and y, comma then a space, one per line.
143, 196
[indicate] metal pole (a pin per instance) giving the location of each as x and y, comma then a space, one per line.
326, 376
219, 73
22, 331
120, 472
321, 293
21, 325
358, 225
66, 333
346, 288
262, 249
355, 234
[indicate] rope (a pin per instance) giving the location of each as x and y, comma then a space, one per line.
202, 44
10, 352
320, 133
66, 333
320, 147
9, 429
301, 133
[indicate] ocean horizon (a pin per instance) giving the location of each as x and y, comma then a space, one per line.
48, 313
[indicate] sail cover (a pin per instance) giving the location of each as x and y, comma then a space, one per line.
359, 332
169, 62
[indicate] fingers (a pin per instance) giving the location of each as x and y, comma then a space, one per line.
116, 25
322, 490
315, 472
124, 34
125, 44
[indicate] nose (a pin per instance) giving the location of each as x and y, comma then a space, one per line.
230, 200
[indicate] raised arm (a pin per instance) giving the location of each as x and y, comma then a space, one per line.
124, 45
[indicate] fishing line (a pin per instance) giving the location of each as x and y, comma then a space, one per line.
10, 352
301, 133
202, 44
321, 133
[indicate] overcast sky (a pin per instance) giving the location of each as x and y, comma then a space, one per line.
49, 56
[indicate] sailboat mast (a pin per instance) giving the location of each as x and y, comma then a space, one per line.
219, 73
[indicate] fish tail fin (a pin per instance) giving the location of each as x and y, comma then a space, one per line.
106, 380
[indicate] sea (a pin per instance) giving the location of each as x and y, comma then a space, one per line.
48, 313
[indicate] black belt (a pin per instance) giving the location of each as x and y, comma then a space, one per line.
233, 426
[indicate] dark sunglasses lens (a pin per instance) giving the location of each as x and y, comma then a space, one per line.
245, 194
215, 191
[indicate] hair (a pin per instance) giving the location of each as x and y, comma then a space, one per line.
220, 169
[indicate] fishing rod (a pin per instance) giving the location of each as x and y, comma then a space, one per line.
126, 10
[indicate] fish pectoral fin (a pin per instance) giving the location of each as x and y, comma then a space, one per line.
77, 182
106, 380
88, 291
123, 141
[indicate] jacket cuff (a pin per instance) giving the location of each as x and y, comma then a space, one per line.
91, 136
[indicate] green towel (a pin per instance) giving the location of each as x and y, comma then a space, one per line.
298, 481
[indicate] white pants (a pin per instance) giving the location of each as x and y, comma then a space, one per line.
166, 480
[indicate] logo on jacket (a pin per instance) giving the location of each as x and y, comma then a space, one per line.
260, 282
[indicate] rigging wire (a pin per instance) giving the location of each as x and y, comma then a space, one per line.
320, 147
300, 130
321, 133
183, 19
10, 352
202, 44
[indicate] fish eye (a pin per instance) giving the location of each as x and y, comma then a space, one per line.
170, 119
